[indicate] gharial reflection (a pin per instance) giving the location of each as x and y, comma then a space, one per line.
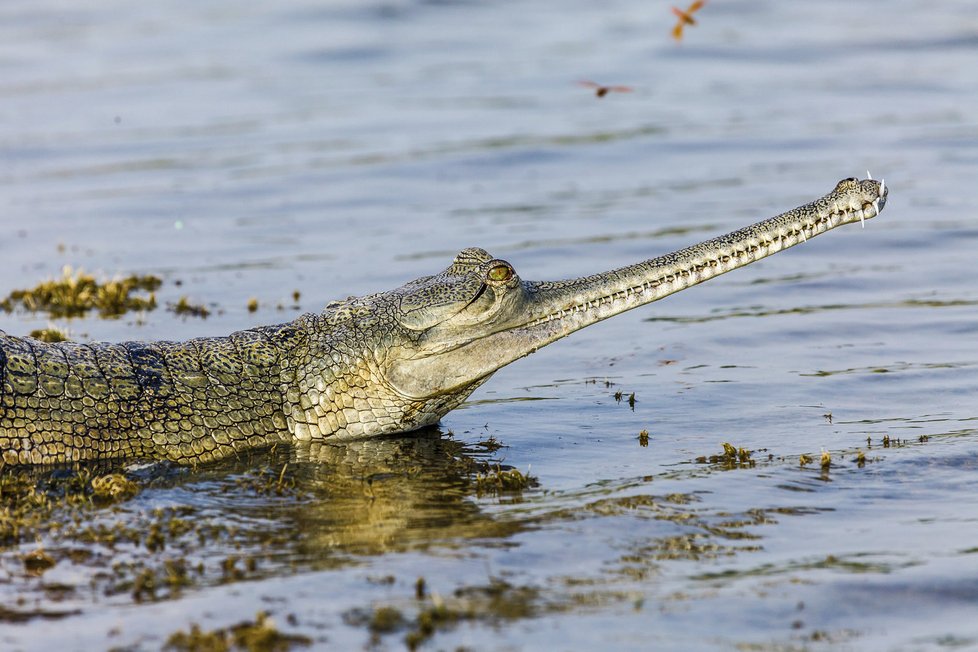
400, 493
153, 532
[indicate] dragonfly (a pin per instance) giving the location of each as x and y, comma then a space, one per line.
685, 18
601, 90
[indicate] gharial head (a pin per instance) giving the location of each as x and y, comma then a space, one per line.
455, 318
452, 330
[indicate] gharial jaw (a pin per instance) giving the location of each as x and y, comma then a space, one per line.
509, 318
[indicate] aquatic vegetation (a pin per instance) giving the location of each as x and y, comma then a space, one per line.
260, 635
498, 480
296, 295
493, 603
38, 561
490, 445
183, 307
825, 459
50, 334
265, 480
619, 396
731, 458
114, 486
76, 293
80, 518
386, 620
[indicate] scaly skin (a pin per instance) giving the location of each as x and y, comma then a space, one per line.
384, 363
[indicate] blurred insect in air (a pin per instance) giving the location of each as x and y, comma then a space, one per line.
685, 18
601, 91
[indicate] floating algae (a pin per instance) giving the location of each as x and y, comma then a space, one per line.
258, 636
76, 293
498, 480
50, 334
184, 307
732, 457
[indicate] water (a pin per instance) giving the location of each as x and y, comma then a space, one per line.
344, 148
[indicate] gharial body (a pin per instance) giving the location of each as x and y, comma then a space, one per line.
384, 363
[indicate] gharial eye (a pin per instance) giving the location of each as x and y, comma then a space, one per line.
500, 273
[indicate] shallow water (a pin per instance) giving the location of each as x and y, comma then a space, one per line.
344, 148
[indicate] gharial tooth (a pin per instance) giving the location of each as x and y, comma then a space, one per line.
876, 205
868, 175
862, 217
882, 186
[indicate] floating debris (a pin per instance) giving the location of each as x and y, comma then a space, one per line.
184, 307
497, 479
825, 460
144, 588
38, 561
495, 602
490, 445
643, 439
386, 620
252, 304
731, 458
114, 486
76, 293
50, 334
258, 636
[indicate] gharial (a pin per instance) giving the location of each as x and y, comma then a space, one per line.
384, 363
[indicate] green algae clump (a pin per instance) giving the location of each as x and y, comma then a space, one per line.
184, 307
76, 293
498, 480
50, 334
258, 636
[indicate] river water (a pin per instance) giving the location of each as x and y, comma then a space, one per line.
250, 150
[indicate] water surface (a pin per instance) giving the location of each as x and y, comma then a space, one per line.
345, 148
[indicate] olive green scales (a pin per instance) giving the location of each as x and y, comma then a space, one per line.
384, 363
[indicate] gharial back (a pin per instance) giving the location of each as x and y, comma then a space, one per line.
186, 401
